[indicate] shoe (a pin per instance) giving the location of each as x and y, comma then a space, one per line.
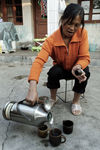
76, 107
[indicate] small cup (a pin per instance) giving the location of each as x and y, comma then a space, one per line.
55, 137
43, 131
67, 126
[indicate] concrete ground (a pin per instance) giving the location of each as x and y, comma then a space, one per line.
14, 70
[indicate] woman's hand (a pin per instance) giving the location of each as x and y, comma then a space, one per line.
32, 96
81, 77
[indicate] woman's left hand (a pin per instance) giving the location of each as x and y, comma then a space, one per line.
81, 77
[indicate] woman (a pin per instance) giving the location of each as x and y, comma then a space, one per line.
68, 47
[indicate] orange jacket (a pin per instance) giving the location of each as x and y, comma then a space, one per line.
54, 46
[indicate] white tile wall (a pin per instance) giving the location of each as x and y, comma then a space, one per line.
51, 5
53, 15
94, 34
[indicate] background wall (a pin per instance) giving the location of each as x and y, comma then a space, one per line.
94, 34
53, 15
26, 31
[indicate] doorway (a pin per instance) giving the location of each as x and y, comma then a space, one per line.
40, 23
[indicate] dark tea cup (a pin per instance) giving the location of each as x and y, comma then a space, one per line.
55, 137
43, 131
67, 126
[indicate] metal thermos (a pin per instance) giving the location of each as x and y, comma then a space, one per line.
24, 113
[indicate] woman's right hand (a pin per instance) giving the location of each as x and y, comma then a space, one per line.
32, 96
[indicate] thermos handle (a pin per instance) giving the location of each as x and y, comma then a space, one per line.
24, 102
28, 103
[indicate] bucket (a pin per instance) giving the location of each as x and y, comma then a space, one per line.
14, 45
92, 47
2, 47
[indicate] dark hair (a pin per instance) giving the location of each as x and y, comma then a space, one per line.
71, 11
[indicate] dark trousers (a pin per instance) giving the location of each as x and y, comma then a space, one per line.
57, 73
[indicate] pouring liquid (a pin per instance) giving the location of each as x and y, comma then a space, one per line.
52, 127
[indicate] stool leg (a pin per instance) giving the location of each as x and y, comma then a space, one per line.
65, 90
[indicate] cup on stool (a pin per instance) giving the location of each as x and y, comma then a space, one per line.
67, 126
43, 131
55, 137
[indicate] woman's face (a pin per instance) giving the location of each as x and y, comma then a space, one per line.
68, 29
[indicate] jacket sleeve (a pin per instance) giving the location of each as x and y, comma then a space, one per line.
84, 56
40, 60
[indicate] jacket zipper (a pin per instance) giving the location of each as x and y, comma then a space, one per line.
67, 50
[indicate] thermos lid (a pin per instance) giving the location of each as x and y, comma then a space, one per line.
6, 110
